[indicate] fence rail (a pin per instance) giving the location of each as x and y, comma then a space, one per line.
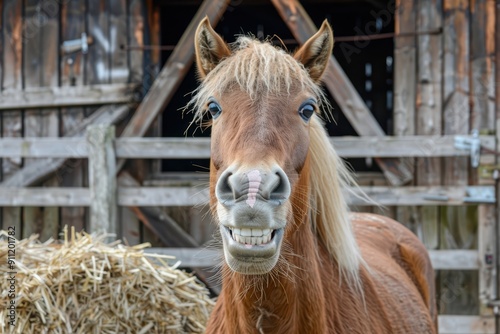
199, 148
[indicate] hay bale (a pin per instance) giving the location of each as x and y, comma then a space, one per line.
84, 285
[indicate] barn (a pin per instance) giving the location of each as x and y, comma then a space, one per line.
94, 134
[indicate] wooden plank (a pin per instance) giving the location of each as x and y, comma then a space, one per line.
482, 64
466, 324
458, 224
37, 196
72, 26
483, 118
117, 36
40, 69
429, 78
180, 148
460, 259
428, 110
190, 196
72, 68
136, 23
98, 69
40, 169
456, 83
405, 68
342, 89
12, 47
54, 97
172, 73
204, 257
102, 180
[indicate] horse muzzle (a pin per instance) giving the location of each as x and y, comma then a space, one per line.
252, 209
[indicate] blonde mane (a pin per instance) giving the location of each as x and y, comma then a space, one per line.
260, 69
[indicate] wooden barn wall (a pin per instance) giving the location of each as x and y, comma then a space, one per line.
32, 32
444, 84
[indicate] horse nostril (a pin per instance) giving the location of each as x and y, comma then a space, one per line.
223, 189
281, 190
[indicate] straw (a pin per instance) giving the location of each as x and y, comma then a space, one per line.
81, 284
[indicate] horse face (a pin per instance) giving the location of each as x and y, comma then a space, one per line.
261, 110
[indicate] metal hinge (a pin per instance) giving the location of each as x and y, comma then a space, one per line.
472, 144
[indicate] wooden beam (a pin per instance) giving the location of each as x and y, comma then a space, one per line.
405, 68
41, 168
68, 96
341, 88
181, 148
204, 257
466, 324
190, 196
102, 178
453, 259
172, 73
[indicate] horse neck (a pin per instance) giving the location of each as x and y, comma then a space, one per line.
292, 291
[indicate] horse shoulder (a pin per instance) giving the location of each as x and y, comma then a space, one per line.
397, 259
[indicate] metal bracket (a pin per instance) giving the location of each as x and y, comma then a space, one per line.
472, 144
76, 45
480, 194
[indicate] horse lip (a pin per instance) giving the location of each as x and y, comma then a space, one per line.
251, 253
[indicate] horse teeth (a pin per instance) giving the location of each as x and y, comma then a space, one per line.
246, 232
256, 232
252, 236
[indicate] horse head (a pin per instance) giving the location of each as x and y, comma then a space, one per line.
262, 102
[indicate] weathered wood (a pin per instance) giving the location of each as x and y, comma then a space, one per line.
117, 36
483, 118
456, 83
428, 110
429, 78
179, 148
466, 324
172, 73
40, 65
205, 257
53, 97
342, 90
12, 47
102, 179
405, 68
72, 67
455, 259
136, 23
40, 169
97, 65
482, 64
189, 196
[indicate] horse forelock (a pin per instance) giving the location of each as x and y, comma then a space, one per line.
260, 70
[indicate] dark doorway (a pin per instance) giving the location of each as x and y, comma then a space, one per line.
368, 64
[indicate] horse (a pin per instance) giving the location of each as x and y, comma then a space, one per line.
295, 259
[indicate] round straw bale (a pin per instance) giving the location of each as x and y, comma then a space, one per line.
82, 284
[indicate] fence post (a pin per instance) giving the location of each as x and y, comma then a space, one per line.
102, 178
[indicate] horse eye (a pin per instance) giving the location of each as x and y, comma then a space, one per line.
306, 111
215, 109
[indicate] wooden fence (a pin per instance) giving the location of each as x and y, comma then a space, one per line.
103, 195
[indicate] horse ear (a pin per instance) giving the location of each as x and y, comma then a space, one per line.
315, 53
209, 46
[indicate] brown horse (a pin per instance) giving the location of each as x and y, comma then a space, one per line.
295, 260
